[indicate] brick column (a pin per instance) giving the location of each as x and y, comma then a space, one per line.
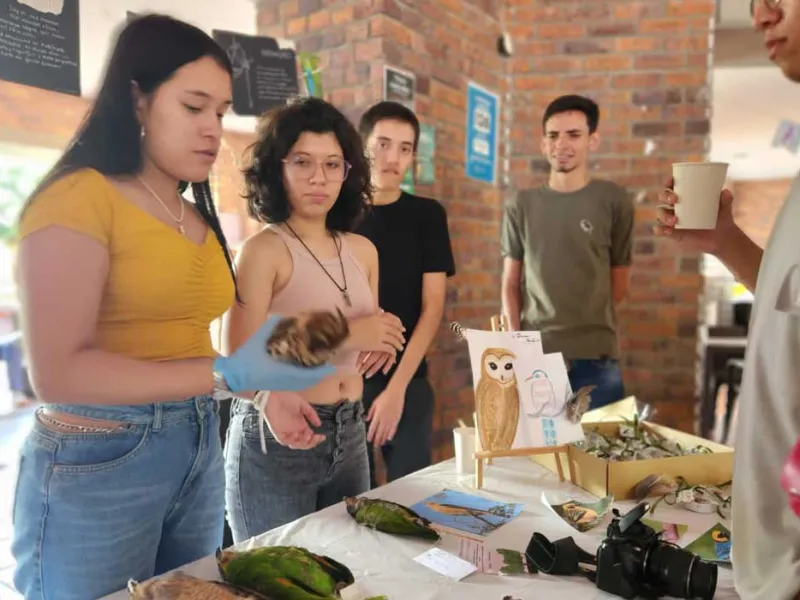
647, 64
444, 44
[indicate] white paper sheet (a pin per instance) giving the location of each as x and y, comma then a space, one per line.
446, 564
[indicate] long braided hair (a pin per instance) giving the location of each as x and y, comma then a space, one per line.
205, 206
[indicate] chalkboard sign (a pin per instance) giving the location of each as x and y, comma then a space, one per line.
40, 44
398, 86
264, 75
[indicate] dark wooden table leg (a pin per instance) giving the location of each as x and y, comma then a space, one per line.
707, 402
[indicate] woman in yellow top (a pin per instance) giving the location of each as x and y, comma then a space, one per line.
120, 277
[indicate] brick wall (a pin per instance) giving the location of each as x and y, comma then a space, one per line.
35, 117
444, 44
646, 63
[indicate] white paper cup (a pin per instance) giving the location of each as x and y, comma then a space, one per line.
698, 186
464, 441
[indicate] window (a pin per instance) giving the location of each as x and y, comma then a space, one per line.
21, 170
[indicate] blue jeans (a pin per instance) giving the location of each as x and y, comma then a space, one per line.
412, 446
604, 373
95, 509
265, 491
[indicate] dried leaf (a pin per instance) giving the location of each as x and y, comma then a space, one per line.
634, 442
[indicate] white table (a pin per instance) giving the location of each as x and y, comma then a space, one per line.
383, 564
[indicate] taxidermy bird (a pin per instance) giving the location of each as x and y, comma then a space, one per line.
578, 403
389, 517
180, 586
497, 400
308, 339
285, 573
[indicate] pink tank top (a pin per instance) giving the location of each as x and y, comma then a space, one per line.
309, 288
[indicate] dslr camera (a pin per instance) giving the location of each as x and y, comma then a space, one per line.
633, 561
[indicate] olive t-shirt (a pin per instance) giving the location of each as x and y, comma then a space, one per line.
568, 243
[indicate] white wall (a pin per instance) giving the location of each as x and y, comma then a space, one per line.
734, 14
101, 19
748, 104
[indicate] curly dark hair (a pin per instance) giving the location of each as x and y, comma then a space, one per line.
278, 133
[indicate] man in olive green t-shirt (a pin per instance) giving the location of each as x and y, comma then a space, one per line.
567, 253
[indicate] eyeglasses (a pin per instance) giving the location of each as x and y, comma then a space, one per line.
770, 4
303, 167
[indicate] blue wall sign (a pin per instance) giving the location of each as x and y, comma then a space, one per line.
482, 127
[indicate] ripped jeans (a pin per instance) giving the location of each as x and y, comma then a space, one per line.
265, 491
95, 508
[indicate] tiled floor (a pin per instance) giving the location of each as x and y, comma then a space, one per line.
13, 428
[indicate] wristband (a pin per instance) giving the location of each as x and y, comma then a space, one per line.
260, 402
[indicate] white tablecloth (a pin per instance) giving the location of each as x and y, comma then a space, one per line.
383, 564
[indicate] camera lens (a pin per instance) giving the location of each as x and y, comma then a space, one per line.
681, 573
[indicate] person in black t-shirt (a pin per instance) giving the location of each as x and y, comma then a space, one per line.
415, 259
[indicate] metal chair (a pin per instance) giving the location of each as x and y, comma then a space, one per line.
735, 369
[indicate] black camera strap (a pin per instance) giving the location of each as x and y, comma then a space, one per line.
562, 557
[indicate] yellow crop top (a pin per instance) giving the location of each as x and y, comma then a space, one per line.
163, 290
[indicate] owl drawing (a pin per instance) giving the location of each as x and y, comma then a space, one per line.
543, 396
497, 400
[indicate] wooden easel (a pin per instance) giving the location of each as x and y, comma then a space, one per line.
500, 323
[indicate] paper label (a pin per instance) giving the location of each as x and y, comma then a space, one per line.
477, 553
446, 564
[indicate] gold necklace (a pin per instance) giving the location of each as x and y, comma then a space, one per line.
178, 220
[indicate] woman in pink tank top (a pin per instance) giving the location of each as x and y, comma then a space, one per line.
309, 182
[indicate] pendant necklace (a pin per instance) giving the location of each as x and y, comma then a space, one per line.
179, 219
342, 290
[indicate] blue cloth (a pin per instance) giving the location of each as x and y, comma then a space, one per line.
604, 373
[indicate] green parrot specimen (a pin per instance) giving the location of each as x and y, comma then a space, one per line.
286, 573
390, 517
180, 586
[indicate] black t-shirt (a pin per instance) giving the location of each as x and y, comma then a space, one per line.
412, 238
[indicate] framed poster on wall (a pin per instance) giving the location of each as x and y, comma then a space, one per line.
264, 74
483, 114
398, 86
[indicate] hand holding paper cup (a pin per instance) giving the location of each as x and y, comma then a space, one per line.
698, 186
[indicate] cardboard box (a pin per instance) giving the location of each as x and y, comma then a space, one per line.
601, 477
